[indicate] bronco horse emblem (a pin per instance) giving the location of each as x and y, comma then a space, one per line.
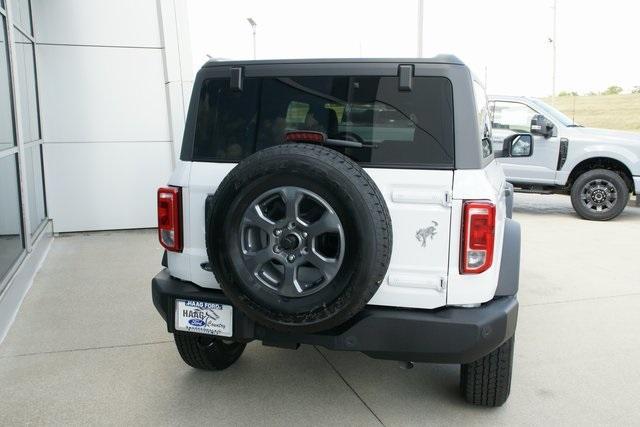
427, 232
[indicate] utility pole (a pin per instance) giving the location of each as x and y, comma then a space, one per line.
253, 29
420, 26
554, 42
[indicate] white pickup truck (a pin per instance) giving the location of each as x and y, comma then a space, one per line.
543, 151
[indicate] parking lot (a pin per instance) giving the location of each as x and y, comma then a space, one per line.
88, 346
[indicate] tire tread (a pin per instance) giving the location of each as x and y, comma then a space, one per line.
217, 357
487, 381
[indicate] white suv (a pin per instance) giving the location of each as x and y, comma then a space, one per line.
351, 204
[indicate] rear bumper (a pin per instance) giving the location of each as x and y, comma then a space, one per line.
447, 335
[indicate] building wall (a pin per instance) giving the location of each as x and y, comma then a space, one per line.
113, 80
25, 232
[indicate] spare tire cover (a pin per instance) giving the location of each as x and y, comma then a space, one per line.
299, 237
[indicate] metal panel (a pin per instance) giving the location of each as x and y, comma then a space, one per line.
103, 186
93, 94
98, 22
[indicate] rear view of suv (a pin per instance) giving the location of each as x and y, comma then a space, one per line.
350, 204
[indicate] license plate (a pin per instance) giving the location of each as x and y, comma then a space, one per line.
204, 318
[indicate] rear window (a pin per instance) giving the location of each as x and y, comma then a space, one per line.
406, 128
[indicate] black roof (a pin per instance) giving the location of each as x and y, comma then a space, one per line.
438, 59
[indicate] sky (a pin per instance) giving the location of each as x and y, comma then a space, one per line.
508, 41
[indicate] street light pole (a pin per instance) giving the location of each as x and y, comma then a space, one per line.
420, 26
554, 42
253, 29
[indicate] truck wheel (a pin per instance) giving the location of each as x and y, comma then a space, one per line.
299, 237
208, 353
487, 381
599, 195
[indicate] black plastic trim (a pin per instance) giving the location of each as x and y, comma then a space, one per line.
405, 77
508, 197
236, 78
508, 281
446, 335
563, 152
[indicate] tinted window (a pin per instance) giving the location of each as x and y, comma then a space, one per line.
226, 121
484, 123
403, 128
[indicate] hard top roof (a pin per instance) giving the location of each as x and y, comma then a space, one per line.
438, 59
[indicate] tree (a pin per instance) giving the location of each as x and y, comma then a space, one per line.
612, 90
567, 93
636, 89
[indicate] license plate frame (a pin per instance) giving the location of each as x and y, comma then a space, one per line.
208, 318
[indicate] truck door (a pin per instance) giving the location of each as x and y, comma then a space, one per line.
511, 117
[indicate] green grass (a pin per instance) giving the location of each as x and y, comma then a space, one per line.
620, 112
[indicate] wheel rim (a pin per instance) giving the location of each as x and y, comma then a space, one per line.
292, 241
599, 195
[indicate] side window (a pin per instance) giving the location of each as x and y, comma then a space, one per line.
484, 122
226, 124
512, 116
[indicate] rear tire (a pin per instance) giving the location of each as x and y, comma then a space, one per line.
487, 381
605, 184
208, 353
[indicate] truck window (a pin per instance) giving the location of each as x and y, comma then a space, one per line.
408, 129
512, 116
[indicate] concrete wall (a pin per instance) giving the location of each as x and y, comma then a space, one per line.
114, 78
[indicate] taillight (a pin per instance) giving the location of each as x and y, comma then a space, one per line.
169, 221
478, 231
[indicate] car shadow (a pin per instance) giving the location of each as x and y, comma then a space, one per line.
346, 385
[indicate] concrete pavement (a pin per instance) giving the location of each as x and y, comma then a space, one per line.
88, 347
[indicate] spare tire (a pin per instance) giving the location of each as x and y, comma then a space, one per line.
298, 237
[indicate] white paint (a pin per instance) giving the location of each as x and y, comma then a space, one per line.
415, 273
479, 184
418, 277
415, 199
203, 180
180, 262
